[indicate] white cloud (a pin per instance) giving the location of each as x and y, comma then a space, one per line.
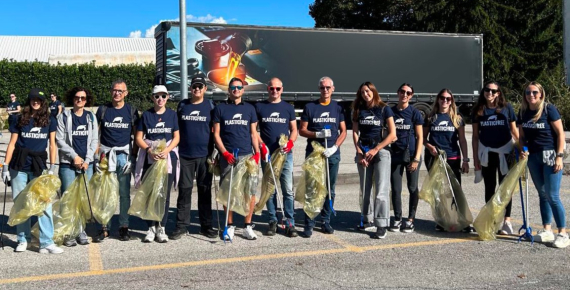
149, 33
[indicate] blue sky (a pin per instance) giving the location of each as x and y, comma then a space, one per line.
124, 18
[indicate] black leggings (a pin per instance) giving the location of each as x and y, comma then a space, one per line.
490, 179
455, 164
396, 181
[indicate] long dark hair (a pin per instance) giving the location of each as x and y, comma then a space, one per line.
41, 116
500, 101
70, 96
359, 102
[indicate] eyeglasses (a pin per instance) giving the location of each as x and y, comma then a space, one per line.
325, 88
120, 92
445, 99
80, 98
160, 96
198, 86
489, 90
278, 89
534, 93
233, 88
407, 93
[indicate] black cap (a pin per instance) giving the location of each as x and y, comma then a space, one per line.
37, 93
198, 80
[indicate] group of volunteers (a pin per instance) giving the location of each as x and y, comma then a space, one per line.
388, 141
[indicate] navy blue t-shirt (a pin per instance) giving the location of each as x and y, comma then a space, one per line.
371, 121
53, 107
318, 116
79, 132
540, 136
494, 129
116, 128
158, 126
274, 120
195, 121
33, 138
11, 107
406, 121
235, 121
444, 135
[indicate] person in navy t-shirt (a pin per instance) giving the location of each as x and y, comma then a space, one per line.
13, 109
158, 123
540, 129
277, 117
494, 128
196, 140
26, 159
370, 117
235, 129
55, 106
317, 115
409, 131
117, 122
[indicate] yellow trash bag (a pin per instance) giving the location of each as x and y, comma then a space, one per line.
490, 218
35, 198
312, 187
278, 159
443, 193
104, 193
244, 185
150, 197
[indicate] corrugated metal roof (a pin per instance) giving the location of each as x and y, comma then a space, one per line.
30, 48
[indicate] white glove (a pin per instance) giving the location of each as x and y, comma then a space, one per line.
97, 165
330, 151
6, 173
51, 169
324, 133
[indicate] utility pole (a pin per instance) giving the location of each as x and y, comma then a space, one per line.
183, 56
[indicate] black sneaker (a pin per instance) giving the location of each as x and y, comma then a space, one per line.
208, 232
408, 227
177, 234
380, 233
365, 226
124, 234
327, 229
439, 228
395, 225
307, 232
272, 229
101, 235
291, 232
469, 230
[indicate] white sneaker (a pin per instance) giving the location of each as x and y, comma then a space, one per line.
507, 228
544, 236
51, 249
161, 236
21, 247
561, 241
248, 233
150, 235
231, 232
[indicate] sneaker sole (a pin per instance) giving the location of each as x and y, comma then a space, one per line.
407, 231
394, 230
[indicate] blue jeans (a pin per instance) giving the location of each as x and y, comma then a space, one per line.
547, 184
19, 181
67, 175
286, 180
327, 210
376, 205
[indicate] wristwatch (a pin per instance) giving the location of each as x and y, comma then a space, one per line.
561, 155
416, 160
466, 160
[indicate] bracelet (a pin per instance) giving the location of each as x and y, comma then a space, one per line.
416, 160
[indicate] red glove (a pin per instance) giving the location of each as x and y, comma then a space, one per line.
229, 157
287, 148
264, 152
256, 157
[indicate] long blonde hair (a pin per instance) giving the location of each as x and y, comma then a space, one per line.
455, 117
541, 103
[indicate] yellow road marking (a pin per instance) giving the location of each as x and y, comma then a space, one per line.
95, 261
345, 244
227, 261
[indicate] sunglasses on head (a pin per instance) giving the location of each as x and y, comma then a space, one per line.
233, 88
534, 93
446, 99
160, 96
489, 90
325, 88
407, 93
198, 86
80, 98
278, 89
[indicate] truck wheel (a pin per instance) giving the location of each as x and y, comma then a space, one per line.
424, 108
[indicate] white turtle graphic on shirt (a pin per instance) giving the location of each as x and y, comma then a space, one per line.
325, 115
399, 121
369, 118
118, 119
237, 116
274, 115
494, 117
81, 127
36, 130
159, 125
443, 123
195, 113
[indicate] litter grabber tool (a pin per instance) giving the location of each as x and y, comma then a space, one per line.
279, 197
225, 233
365, 149
449, 182
526, 229
3, 215
216, 189
329, 176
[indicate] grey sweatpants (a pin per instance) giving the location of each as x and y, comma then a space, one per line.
377, 206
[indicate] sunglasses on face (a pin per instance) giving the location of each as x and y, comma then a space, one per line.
325, 88
278, 89
198, 86
534, 93
80, 98
233, 88
489, 90
160, 96
407, 93
445, 99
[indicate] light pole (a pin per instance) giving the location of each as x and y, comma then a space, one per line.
183, 57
